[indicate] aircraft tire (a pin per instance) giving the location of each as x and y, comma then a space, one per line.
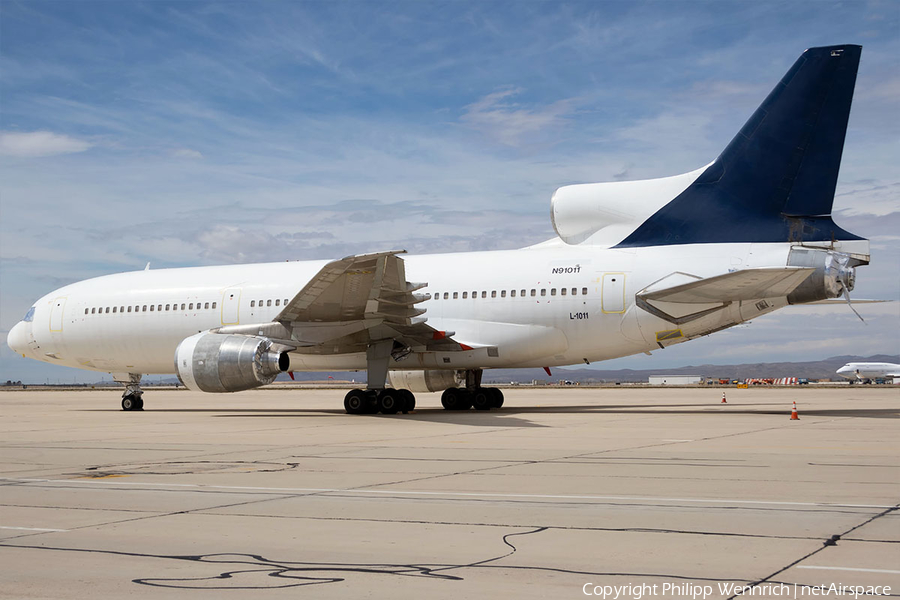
450, 398
465, 400
139, 403
496, 397
129, 402
409, 400
483, 399
355, 402
390, 402
372, 405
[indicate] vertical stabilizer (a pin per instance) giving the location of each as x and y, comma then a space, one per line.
775, 181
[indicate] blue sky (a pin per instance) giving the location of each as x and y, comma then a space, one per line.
190, 133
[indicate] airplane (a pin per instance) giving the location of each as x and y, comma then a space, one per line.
867, 371
636, 266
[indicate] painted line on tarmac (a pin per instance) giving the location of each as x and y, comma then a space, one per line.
29, 528
278, 490
848, 569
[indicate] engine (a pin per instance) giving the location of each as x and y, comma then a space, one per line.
834, 275
216, 362
423, 381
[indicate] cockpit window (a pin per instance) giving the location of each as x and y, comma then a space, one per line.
29, 316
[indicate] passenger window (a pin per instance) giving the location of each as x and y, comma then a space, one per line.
167, 306
562, 291
145, 308
543, 291
552, 291
121, 309
455, 295
93, 311
285, 301
206, 305
182, 306
129, 309
278, 303
574, 291
261, 303
584, 291
533, 292
191, 306
114, 308
107, 310
493, 293
214, 304
158, 308
512, 293
252, 303
446, 295
86, 311
522, 293
151, 307
465, 295
269, 303
484, 294
503, 294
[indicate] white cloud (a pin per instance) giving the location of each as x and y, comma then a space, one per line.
39, 143
509, 123
186, 153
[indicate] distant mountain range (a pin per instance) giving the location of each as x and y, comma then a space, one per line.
818, 369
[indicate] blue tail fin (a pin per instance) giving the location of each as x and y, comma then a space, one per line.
775, 181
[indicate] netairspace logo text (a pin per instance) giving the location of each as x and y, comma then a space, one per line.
728, 589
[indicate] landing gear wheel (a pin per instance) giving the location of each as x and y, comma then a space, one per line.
482, 399
497, 397
390, 401
409, 401
372, 406
355, 402
132, 402
451, 397
465, 400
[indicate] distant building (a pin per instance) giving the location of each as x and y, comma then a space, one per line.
675, 379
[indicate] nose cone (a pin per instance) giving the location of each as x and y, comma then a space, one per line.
17, 339
845, 371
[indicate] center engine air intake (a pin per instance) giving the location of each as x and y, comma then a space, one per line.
216, 362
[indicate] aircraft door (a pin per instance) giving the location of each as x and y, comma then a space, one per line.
231, 305
56, 314
613, 299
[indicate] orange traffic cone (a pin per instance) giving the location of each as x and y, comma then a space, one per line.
794, 416
723, 398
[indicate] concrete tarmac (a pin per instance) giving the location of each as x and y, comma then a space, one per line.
278, 493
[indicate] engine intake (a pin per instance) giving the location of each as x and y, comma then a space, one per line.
216, 362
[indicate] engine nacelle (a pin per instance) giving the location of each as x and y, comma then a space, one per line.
423, 381
216, 362
834, 274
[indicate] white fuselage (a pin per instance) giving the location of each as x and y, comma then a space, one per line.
132, 322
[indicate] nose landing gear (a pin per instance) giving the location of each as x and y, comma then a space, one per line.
132, 397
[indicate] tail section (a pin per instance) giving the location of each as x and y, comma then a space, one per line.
775, 181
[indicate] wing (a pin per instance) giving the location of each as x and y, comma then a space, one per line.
679, 302
361, 298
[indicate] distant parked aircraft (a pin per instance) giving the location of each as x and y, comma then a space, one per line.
866, 371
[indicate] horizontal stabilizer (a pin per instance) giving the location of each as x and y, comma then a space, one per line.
748, 284
678, 302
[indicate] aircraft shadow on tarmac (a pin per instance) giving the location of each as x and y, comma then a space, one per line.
510, 416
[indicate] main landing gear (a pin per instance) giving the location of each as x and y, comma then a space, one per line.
473, 395
132, 397
385, 401
482, 398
